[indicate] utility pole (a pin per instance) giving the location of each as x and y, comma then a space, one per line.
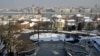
39, 17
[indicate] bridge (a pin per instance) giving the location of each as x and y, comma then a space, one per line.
60, 48
88, 33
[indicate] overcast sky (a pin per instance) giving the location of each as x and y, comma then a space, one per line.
47, 3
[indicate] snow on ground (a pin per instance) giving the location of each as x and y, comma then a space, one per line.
27, 31
96, 43
1, 44
89, 37
48, 37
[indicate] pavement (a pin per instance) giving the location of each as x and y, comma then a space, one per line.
90, 48
51, 49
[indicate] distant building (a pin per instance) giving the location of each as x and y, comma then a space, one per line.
87, 10
33, 8
75, 10
58, 22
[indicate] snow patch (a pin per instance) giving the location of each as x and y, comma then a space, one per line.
25, 22
32, 24
48, 37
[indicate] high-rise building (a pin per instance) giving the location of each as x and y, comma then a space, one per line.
33, 8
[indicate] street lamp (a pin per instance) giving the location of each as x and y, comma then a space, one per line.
38, 30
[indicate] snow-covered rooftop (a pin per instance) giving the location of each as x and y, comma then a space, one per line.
87, 19
21, 18
71, 20
60, 20
58, 16
98, 18
32, 24
4, 22
45, 19
35, 19
25, 22
79, 15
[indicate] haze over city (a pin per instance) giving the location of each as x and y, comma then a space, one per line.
49, 27
47, 3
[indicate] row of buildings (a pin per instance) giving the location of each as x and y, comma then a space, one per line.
56, 22
34, 9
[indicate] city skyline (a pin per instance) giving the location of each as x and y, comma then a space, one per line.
48, 3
